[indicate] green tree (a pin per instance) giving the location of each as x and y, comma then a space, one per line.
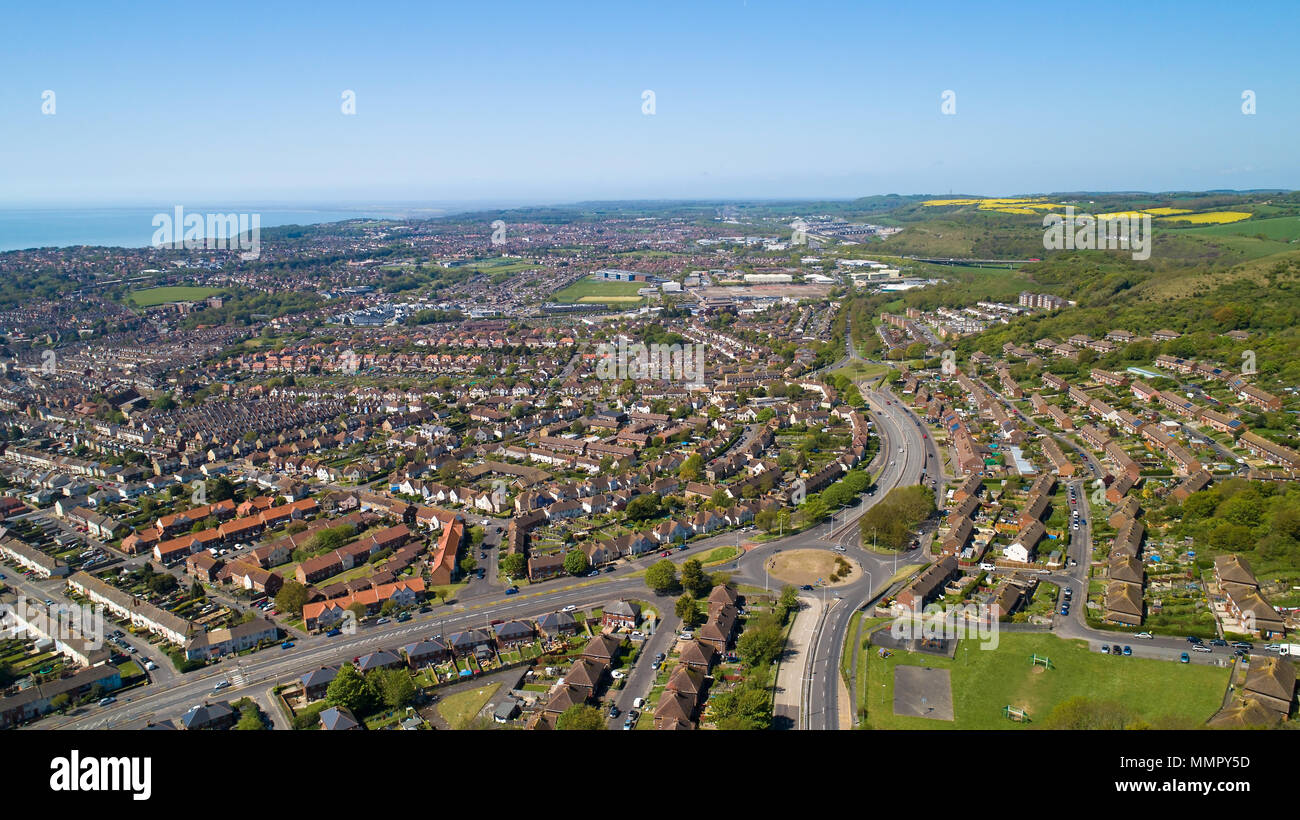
349, 689
514, 565
661, 576
393, 687
760, 644
580, 717
688, 609
575, 562
694, 580
291, 597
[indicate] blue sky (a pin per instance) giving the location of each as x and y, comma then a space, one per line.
542, 101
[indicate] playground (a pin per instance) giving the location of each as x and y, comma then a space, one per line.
1032, 673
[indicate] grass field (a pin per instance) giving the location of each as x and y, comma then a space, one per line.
1281, 229
460, 709
161, 296
983, 682
594, 291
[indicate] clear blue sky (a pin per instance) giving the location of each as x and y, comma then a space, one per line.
542, 101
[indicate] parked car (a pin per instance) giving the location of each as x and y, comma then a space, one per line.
1128, 650
1243, 645
1145, 635
1192, 639
595, 573
150, 665
108, 701
511, 590
1184, 658
569, 608
287, 645
333, 633
383, 621
219, 685
618, 674
1218, 642
1065, 610
1200, 647
614, 711
1115, 650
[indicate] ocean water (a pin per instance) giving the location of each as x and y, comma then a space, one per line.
133, 227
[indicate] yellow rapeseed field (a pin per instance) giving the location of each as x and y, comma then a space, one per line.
1210, 218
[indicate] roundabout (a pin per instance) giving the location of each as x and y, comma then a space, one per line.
809, 566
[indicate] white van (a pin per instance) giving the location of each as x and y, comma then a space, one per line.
987, 567
637, 703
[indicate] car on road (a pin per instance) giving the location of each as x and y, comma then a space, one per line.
806, 587
333, 633
1243, 645
219, 685
1128, 650
383, 621
287, 645
1273, 647
1192, 639
1145, 635
661, 657
1065, 610
688, 635
1241, 653
512, 590
403, 617
569, 608
840, 548
656, 664
1184, 658
987, 567
1218, 642
618, 674
1068, 592
1200, 647
637, 703
614, 711
132, 650
108, 701
609, 569
629, 723
665, 554
595, 573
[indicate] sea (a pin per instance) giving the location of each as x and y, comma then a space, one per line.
133, 227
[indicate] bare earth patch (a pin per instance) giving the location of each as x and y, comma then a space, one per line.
806, 566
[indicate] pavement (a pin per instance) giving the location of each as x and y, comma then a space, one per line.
793, 670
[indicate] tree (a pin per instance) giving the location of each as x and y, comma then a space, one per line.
291, 597
787, 603
694, 580
388, 607
250, 719
468, 564
357, 609
688, 609
163, 583
575, 562
514, 565
580, 717
393, 687
760, 644
661, 576
690, 469
349, 689
642, 507
196, 590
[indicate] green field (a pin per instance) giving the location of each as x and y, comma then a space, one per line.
1281, 229
594, 291
161, 296
983, 682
